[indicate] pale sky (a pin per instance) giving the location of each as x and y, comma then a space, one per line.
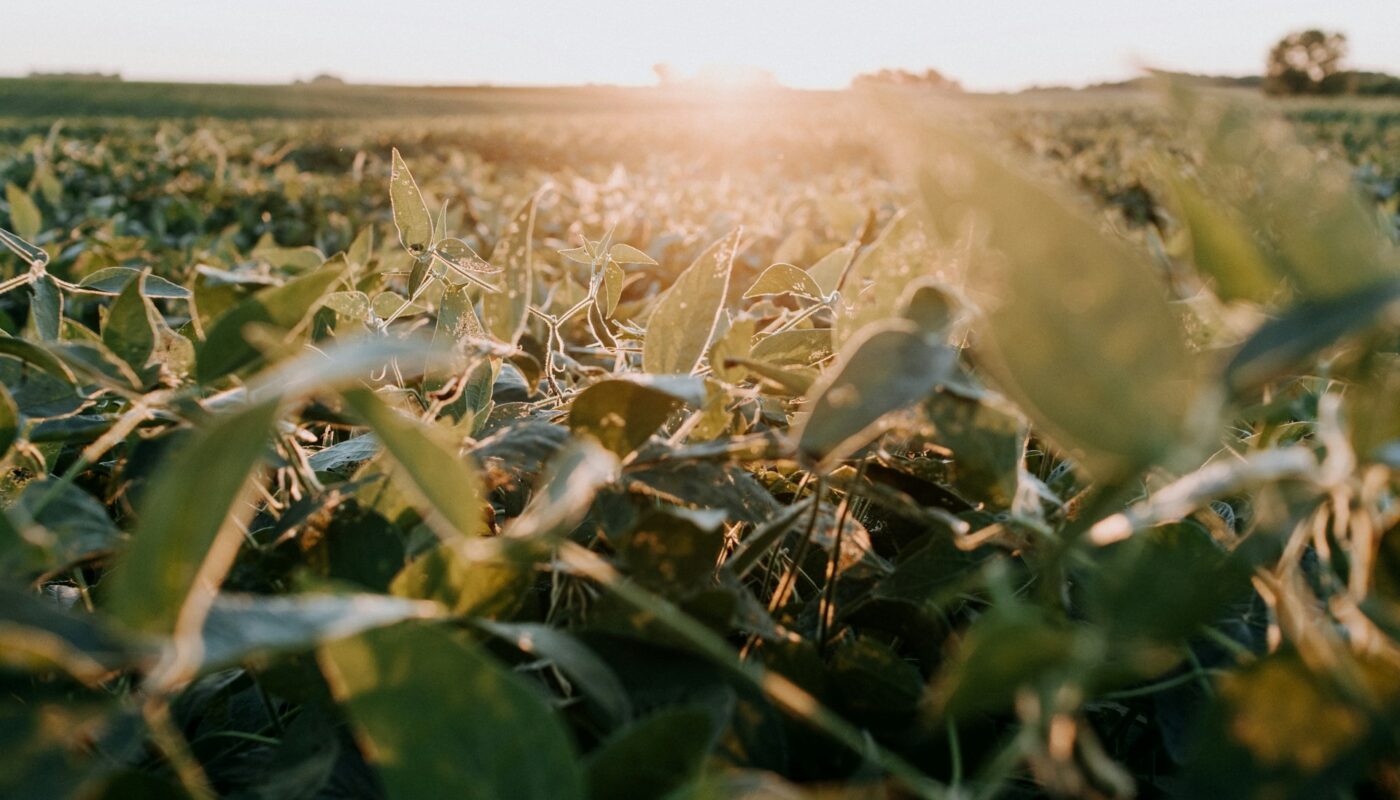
987, 44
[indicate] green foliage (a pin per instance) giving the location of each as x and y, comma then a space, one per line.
937, 483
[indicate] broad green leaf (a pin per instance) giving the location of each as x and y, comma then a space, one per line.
627, 254
32, 353
802, 346
578, 255
875, 680
38, 635
460, 255
684, 320
784, 279
24, 215
613, 279
9, 421
45, 307
876, 282
447, 485
886, 368
130, 328
592, 675
491, 736
291, 259
284, 307
1002, 652
621, 414
1319, 232
565, 491
113, 280
74, 526
362, 249
188, 529
829, 268
468, 580
654, 756
410, 212
988, 440
1223, 247
242, 626
506, 312
1279, 729
1079, 334
1288, 341
735, 343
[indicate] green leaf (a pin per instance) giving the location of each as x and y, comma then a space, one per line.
9, 421
1223, 247
684, 320
784, 279
1081, 336
490, 737
38, 635
829, 268
283, 308
410, 212
24, 214
112, 280
876, 681
189, 527
241, 626
460, 255
45, 307
592, 675
1279, 729
621, 414
129, 330
613, 279
469, 580
802, 347
447, 485
850, 402
75, 527
988, 440
627, 254
1003, 651
565, 491
578, 255
876, 281
653, 757
1288, 342
506, 312
291, 259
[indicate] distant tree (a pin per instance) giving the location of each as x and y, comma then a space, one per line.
665, 74
1307, 62
928, 79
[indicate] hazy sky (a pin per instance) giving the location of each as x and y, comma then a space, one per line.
988, 44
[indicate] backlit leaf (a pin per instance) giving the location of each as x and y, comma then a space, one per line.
684, 319
490, 737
